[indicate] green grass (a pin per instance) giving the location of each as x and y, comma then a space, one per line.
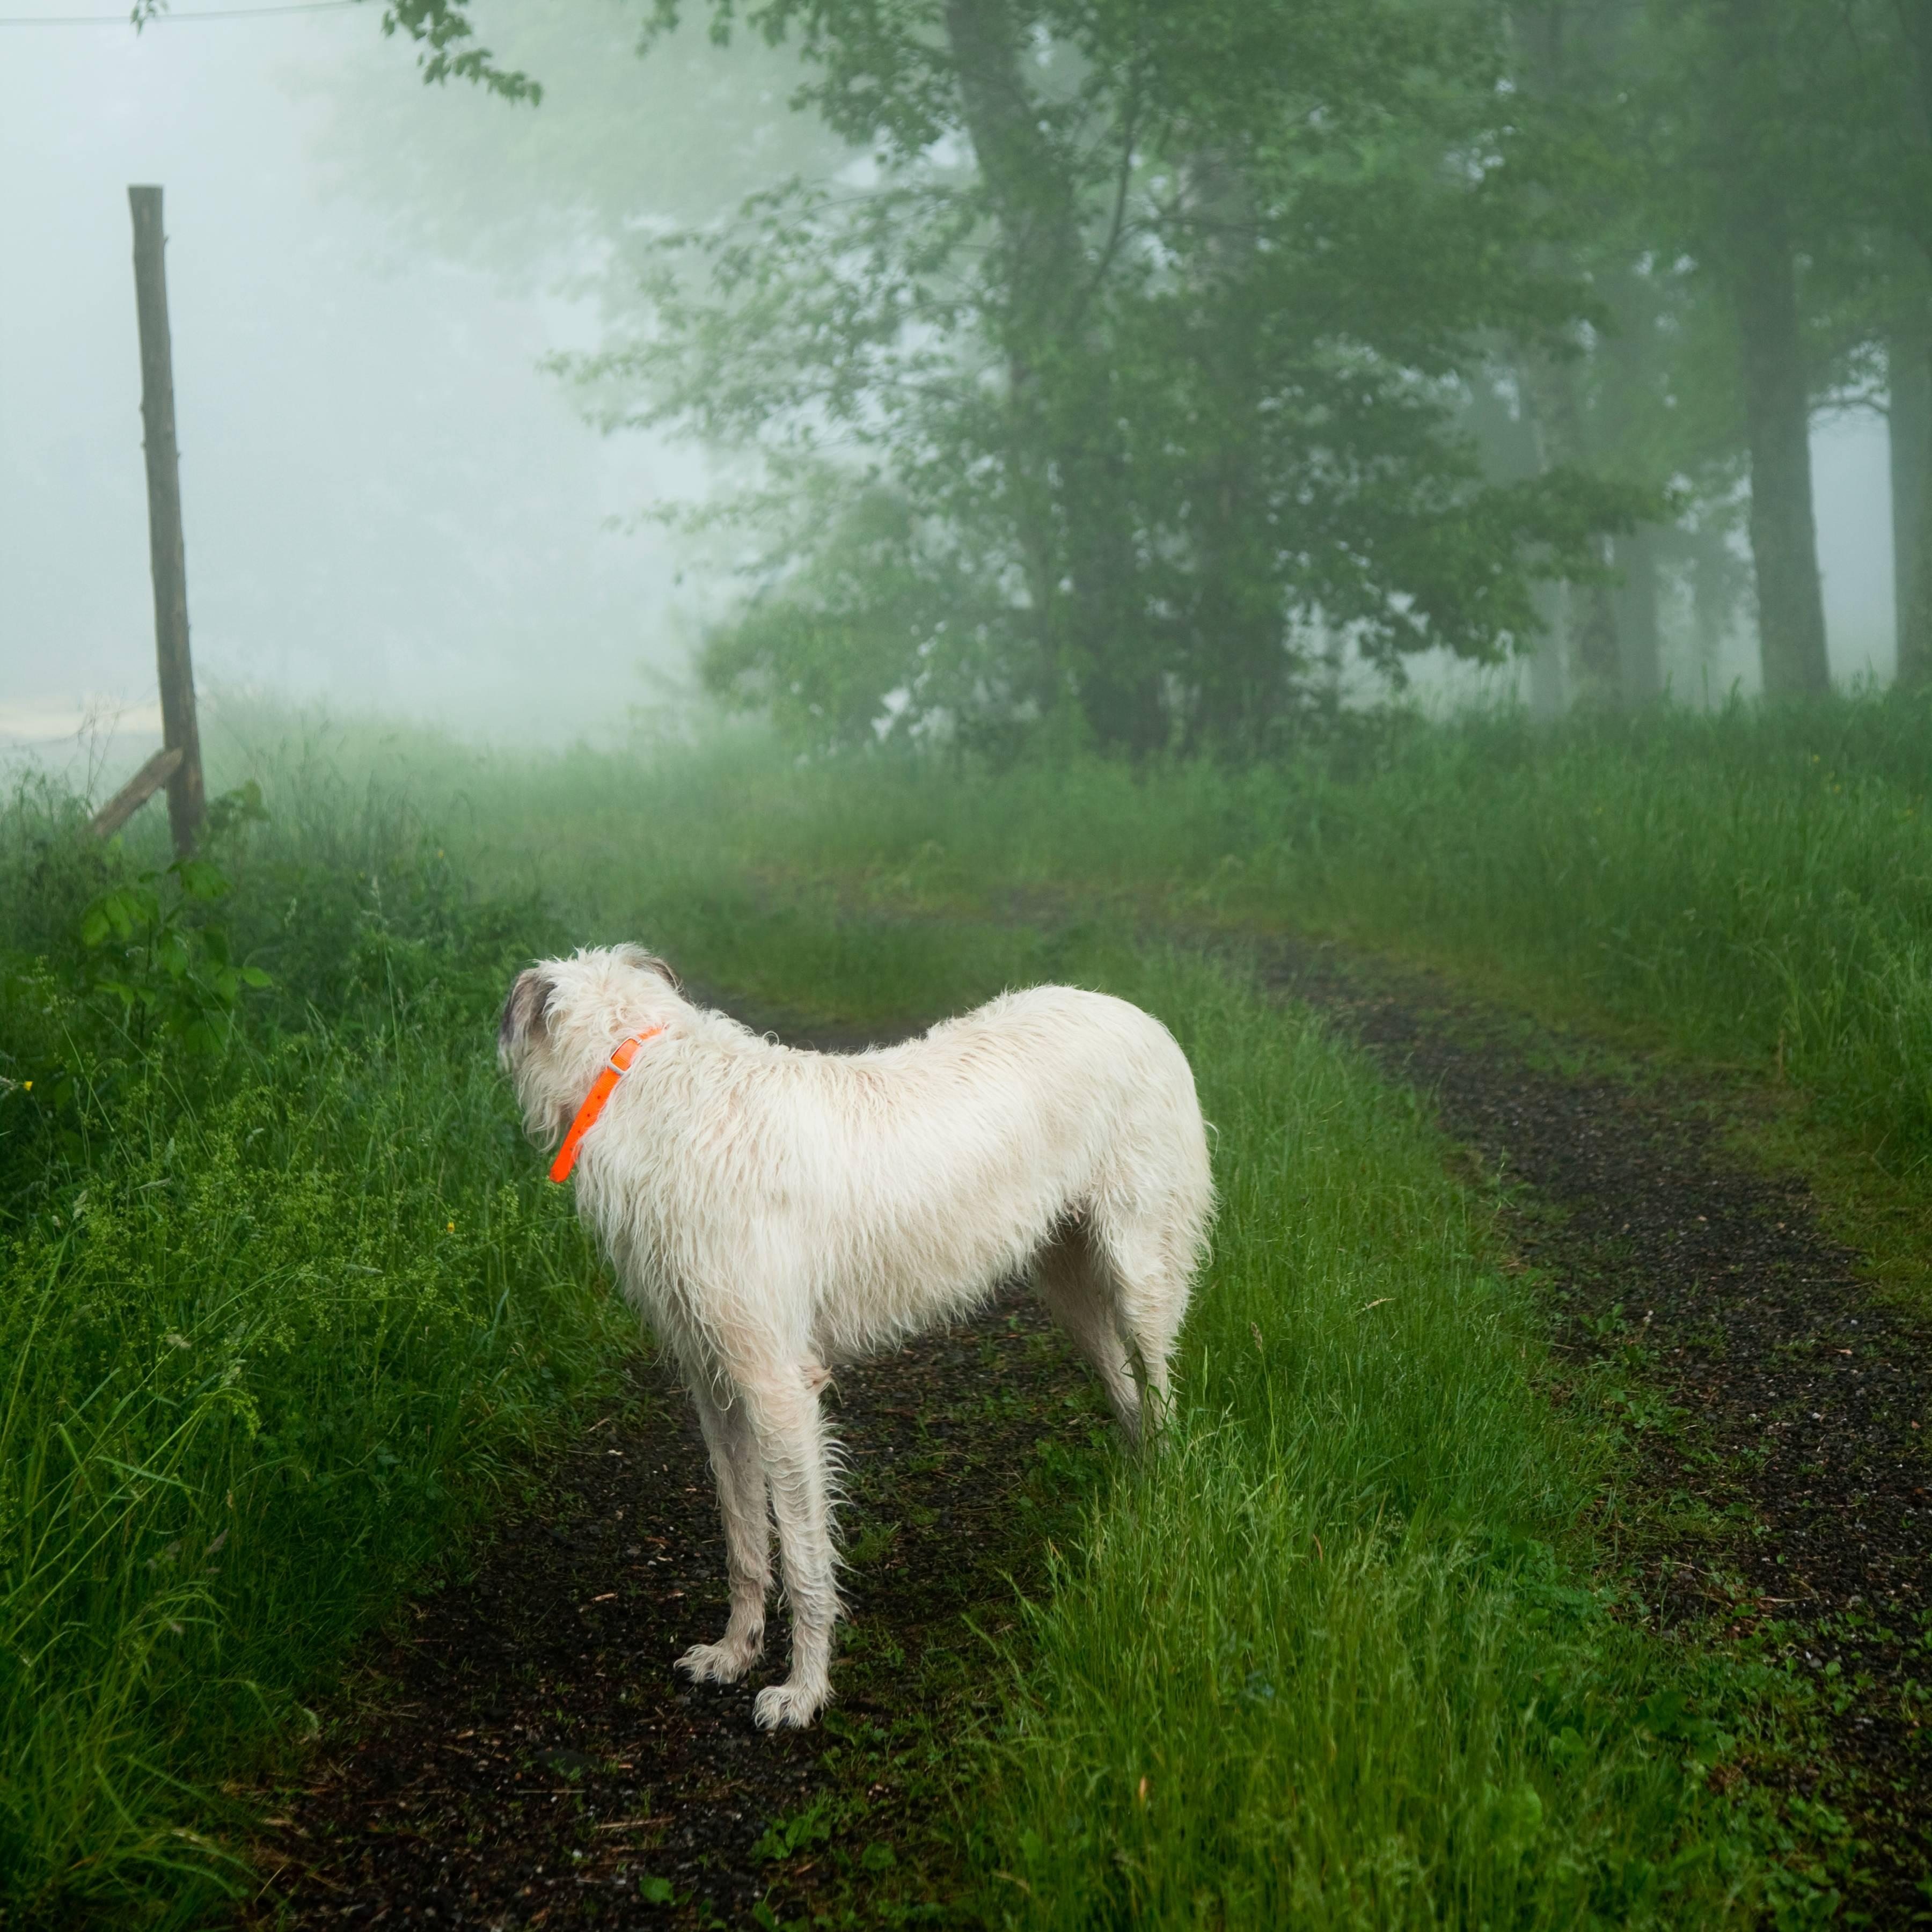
1346, 1658
1753, 886
273, 1331
279, 1325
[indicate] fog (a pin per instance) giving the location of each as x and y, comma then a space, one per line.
390, 504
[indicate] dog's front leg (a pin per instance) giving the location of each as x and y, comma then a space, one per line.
740, 1477
783, 1407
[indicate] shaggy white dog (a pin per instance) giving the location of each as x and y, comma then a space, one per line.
772, 1214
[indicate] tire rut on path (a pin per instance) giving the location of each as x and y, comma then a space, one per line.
1805, 1394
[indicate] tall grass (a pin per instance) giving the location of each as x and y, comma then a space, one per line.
272, 1330
1755, 886
1337, 1661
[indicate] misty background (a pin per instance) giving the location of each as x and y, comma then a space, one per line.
392, 504
389, 505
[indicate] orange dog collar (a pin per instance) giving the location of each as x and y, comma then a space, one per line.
602, 1088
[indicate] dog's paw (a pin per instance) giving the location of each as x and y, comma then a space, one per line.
779, 1705
718, 1662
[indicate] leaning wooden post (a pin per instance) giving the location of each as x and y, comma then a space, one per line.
179, 731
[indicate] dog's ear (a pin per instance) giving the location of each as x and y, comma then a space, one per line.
648, 961
528, 1002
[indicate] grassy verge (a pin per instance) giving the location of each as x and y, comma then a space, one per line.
278, 1319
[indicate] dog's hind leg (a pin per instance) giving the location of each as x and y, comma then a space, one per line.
740, 1477
1074, 1281
783, 1402
1146, 1284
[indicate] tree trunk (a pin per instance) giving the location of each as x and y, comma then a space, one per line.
1598, 638
1059, 410
1909, 421
1585, 645
1033, 199
1547, 695
1777, 417
1639, 643
1556, 40
1507, 432
1239, 653
1756, 258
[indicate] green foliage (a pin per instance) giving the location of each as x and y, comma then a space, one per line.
1184, 346
440, 28
172, 973
1145, 408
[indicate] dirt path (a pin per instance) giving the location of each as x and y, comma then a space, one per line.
1787, 1408
523, 1754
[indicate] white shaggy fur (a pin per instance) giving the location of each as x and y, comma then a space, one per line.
772, 1213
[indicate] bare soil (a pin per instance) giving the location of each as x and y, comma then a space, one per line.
521, 1752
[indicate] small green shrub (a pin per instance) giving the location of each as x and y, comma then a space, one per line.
174, 975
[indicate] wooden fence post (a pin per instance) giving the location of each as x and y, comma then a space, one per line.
179, 731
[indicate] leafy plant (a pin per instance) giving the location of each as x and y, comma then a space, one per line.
162, 957
167, 965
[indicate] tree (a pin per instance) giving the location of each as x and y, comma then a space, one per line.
1148, 322
1839, 102
1647, 391
1118, 376
1159, 334
1754, 244
1897, 37
1779, 139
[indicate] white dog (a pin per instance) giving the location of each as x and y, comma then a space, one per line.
772, 1213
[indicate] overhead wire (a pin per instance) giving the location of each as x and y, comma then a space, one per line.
169, 19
